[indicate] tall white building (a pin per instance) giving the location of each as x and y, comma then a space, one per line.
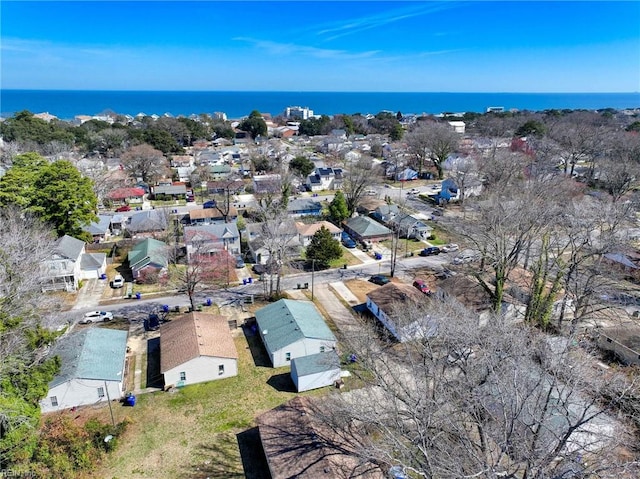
298, 112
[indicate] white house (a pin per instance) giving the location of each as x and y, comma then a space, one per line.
458, 126
325, 179
315, 371
306, 231
92, 369
293, 329
69, 264
196, 348
263, 237
390, 303
209, 239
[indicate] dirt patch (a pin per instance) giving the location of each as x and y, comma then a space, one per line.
360, 288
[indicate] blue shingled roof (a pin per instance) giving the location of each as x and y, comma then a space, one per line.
93, 353
287, 321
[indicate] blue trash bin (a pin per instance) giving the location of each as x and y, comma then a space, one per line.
244, 280
165, 308
208, 301
250, 280
138, 296
131, 400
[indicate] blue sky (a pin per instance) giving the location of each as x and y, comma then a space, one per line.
472, 46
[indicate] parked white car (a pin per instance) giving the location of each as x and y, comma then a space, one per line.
96, 316
466, 256
118, 281
450, 248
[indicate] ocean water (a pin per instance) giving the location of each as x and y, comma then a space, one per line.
66, 104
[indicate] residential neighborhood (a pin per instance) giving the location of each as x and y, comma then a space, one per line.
280, 300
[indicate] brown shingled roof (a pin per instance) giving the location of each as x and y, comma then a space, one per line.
298, 443
211, 213
391, 294
194, 335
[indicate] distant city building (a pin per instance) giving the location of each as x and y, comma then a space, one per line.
495, 109
298, 112
218, 115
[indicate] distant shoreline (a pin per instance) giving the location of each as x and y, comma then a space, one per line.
66, 104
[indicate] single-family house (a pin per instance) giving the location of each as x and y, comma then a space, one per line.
623, 341
267, 184
183, 173
297, 442
407, 174
127, 195
174, 191
306, 231
148, 222
390, 303
92, 369
457, 126
325, 179
315, 371
149, 256
219, 172
211, 239
293, 329
265, 238
409, 226
69, 264
364, 229
196, 348
207, 216
385, 212
118, 224
304, 207
100, 230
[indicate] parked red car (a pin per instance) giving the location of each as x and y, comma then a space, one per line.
422, 286
123, 208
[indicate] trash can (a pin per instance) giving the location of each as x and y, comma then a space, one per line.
208, 301
138, 296
165, 308
249, 280
244, 280
131, 400
103, 276
344, 266
378, 256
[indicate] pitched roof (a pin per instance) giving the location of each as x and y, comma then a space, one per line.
211, 233
194, 335
298, 443
124, 193
211, 213
69, 247
392, 294
316, 363
99, 227
92, 261
303, 204
150, 220
311, 229
93, 353
170, 190
286, 321
148, 250
365, 226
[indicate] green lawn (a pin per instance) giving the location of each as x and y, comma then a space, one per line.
199, 430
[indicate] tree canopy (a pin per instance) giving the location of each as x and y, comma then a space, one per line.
56, 192
254, 125
323, 248
302, 165
338, 209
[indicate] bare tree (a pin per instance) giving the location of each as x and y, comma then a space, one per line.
433, 141
358, 177
619, 171
144, 161
481, 400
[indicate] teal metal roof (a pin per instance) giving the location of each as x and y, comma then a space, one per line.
287, 321
93, 353
153, 250
316, 363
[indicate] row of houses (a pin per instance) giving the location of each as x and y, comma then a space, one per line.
194, 348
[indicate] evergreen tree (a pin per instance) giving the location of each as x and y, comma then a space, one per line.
323, 249
338, 209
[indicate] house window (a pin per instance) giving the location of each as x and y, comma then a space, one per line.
54, 401
322, 349
183, 376
100, 392
608, 340
221, 369
287, 356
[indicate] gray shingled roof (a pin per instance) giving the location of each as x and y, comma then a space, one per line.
365, 227
100, 227
69, 247
316, 363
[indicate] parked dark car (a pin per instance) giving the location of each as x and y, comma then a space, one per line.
239, 262
209, 204
347, 240
259, 269
430, 251
379, 279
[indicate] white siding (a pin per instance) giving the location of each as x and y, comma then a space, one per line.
302, 347
80, 392
314, 381
202, 369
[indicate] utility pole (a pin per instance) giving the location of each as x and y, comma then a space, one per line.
106, 389
313, 269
